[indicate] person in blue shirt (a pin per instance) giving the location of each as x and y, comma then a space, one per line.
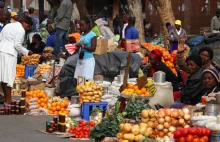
131, 32
87, 45
51, 39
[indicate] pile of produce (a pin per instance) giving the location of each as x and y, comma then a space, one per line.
41, 97
76, 36
20, 70
90, 92
148, 90
165, 121
31, 60
17, 80
43, 68
167, 57
57, 105
48, 52
15, 92
82, 130
194, 134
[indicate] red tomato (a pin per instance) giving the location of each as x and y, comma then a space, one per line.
184, 132
202, 140
204, 131
195, 140
70, 131
182, 139
206, 138
83, 123
80, 121
177, 134
192, 131
92, 123
199, 131
208, 132
189, 138
77, 136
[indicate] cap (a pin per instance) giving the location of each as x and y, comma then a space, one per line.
14, 14
178, 22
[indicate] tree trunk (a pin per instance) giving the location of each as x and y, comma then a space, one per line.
165, 12
81, 5
54, 4
135, 8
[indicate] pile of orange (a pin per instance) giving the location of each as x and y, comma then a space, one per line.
168, 58
76, 36
58, 106
134, 90
20, 70
40, 95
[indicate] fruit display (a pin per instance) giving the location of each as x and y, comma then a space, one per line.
31, 60
194, 134
17, 80
43, 68
82, 130
20, 70
41, 97
90, 92
15, 92
57, 105
69, 123
76, 36
165, 121
148, 90
48, 52
168, 58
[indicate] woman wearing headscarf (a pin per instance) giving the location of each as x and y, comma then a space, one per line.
155, 64
11, 39
192, 92
206, 53
37, 46
177, 34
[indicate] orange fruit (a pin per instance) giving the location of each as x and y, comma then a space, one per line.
58, 108
54, 108
62, 105
58, 103
54, 104
42, 104
60, 112
130, 85
135, 87
45, 106
143, 90
62, 109
50, 112
55, 112
45, 100
147, 94
42, 99
138, 92
66, 103
39, 101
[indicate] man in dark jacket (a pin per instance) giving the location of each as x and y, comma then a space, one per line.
62, 23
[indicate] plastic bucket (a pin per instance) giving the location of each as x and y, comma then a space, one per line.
215, 137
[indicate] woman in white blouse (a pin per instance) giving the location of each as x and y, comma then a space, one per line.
11, 39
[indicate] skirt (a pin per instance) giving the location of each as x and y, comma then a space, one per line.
7, 68
85, 68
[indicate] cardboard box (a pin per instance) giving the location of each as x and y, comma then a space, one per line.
104, 45
39, 86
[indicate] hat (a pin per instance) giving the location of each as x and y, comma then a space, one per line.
178, 22
14, 14
209, 50
195, 58
214, 72
157, 54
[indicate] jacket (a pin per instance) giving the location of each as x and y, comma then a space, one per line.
194, 89
176, 37
64, 14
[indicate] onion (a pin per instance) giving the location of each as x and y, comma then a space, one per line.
174, 123
186, 126
187, 117
181, 122
170, 134
175, 114
165, 131
186, 110
172, 129
150, 124
167, 118
153, 119
161, 120
161, 113
160, 127
161, 134
166, 125
181, 114
167, 112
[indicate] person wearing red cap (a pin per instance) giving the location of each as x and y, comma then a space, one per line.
155, 64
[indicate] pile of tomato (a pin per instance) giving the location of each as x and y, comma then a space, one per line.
82, 130
193, 134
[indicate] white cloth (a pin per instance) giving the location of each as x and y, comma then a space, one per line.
148, 26
179, 32
85, 68
7, 68
123, 30
11, 39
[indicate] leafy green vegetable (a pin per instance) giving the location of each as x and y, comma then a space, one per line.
109, 127
133, 108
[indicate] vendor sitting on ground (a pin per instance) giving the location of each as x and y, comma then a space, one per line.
37, 46
206, 53
192, 92
155, 64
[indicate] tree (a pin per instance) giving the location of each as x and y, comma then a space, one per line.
165, 13
135, 7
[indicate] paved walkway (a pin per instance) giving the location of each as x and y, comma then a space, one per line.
16, 128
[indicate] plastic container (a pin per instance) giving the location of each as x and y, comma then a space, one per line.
215, 137
29, 70
86, 108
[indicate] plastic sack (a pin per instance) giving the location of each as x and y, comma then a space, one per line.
195, 41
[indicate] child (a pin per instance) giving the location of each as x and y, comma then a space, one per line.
70, 46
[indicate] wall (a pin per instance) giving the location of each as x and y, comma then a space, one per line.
193, 14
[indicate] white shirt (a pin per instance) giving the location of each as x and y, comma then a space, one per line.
179, 32
123, 30
11, 39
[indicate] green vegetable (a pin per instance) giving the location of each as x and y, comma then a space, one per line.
109, 127
134, 108
95, 111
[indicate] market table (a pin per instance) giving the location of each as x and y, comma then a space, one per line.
19, 128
